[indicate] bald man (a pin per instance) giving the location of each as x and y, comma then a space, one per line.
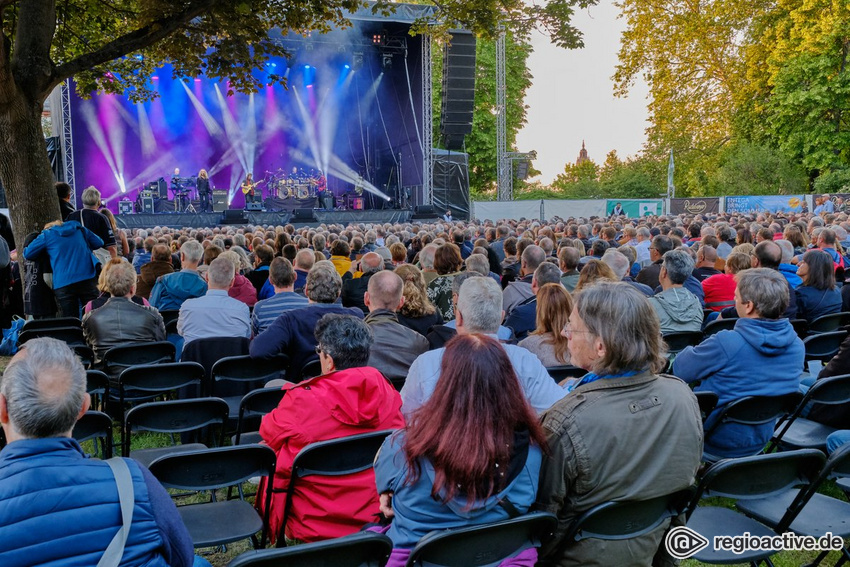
354, 289
706, 258
396, 346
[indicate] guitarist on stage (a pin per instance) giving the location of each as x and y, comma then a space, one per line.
248, 189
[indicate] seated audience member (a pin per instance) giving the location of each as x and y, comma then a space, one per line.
523, 318
568, 258
426, 486
619, 264
263, 256
554, 304
417, 312
292, 333
282, 278
593, 272
340, 253
601, 451
171, 290
761, 356
304, 261
677, 308
520, 290
661, 244
142, 258
53, 500
103, 287
395, 346
833, 415
720, 289
786, 268
426, 263
447, 263
440, 334
479, 311
509, 249
767, 254
347, 399
706, 259
817, 295
120, 321
242, 289
353, 289
215, 314
159, 265
477, 262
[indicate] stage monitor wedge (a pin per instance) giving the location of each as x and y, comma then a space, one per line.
233, 216
458, 89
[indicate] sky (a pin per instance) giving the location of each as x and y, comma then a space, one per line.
572, 98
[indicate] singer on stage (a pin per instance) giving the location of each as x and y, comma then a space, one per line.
204, 190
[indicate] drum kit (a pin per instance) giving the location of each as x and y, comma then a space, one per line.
295, 185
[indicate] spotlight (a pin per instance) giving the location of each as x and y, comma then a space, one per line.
386, 61
378, 39
346, 66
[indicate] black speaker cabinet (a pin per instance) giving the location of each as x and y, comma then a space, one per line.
303, 215
255, 206
233, 216
147, 205
219, 201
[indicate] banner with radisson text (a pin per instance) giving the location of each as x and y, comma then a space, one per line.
765, 203
695, 206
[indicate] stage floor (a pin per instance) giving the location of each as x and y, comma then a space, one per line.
203, 220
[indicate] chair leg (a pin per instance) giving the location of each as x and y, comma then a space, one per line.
818, 559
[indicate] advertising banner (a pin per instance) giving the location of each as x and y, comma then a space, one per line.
695, 206
573, 209
636, 207
769, 203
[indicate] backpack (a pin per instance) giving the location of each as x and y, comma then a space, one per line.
9, 345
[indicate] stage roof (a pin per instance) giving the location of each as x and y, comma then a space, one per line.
403, 14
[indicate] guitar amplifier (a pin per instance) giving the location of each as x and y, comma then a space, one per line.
219, 201
125, 207
147, 205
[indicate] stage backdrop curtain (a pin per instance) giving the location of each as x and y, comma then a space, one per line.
579, 208
494, 210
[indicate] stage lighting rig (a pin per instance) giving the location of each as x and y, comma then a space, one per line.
379, 38
357, 61
386, 61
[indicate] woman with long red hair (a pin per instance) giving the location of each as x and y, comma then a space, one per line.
471, 455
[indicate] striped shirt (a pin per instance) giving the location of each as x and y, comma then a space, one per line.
267, 310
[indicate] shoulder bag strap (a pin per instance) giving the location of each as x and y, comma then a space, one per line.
126, 497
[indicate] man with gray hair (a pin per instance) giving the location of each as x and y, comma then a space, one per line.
786, 268
479, 310
678, 309
426, 261
52, 498
215, 314
520, 290
619, 264
120, 321
282, 279
523, 319
395, 346
293, 332
761, 356
90, 218
644, 240
171, 290
354, 289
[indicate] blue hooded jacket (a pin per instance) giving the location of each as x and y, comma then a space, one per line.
790, 273
759, 357
417, 513
69, 246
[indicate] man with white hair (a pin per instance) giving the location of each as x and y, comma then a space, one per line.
426, 261
644, 239
619, 264
90, 218
479, 310
171, 290
786, 268
215, 314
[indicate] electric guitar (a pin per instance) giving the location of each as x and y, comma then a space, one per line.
248, 188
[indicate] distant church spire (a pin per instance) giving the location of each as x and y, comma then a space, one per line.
582, 155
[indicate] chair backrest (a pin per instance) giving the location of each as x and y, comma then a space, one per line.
71, 335
118, 358
211, 469
560, 373
169, 315
625, 520
94, 425
719, 325
831, 322
160, 378
97, 383
246, 369
801, 327
828, 391
676, 342
257, 403
311, 369
707, 402
823, 346
85, 354
53, 323
756, 410
175, 416
362, 549
171, 327
210, 350
482, 545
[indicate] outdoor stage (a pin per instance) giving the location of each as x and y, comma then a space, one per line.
205, 220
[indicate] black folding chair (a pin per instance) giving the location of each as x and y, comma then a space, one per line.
797, 432
176, 416
561, 373
148, 381
482, 545
801, 327
707, 402
627, 519
119, 358
169, 315
244, 374
53, 323
823, 346
72, 336
254, 405
760, 476
85, 354
718, 325
218, 523
336, 457
753, 410
311, 369
171, 328
95, 426
97, 386
828, 323
362, 549
805, 511
677, 342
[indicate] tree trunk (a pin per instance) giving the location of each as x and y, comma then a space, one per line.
25, 167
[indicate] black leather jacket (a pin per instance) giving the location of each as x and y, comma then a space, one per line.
120, 322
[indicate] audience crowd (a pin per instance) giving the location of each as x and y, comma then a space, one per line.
449, 333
